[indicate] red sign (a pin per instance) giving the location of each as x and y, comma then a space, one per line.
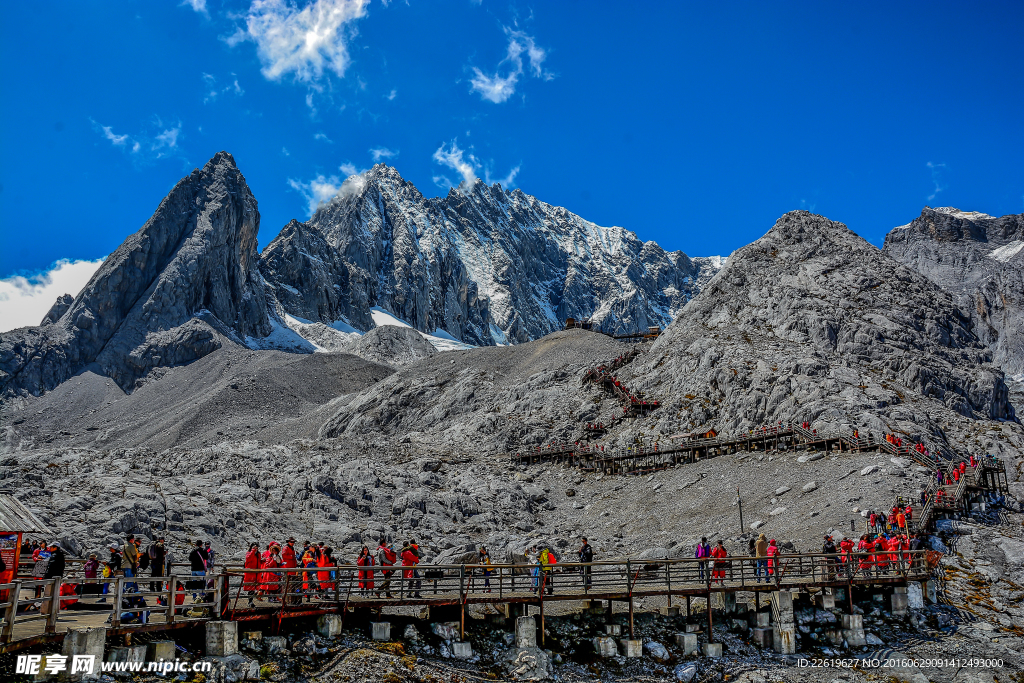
10, 551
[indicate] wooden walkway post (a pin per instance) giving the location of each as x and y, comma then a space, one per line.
462, 602
629, 595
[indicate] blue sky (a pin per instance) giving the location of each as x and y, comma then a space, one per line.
693, 124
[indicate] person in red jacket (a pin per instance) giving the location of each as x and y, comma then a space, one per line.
846, 547
881, 546
771, 552
364, 560
410, 558
719, 553
251, 578
864, 561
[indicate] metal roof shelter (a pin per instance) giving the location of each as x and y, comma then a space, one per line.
14, 516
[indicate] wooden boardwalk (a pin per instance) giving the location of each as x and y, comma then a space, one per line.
279, 595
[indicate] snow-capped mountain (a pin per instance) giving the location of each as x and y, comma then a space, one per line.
482, 264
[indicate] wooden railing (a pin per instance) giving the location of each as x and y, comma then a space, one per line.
236, 592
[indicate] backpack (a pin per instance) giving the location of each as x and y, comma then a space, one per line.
144, 560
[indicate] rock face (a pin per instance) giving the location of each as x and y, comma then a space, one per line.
141, 309
486, 265
980, 260
391, 345
811, 322
59, 308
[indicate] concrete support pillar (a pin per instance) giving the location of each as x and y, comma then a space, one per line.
526, 632
631, 648
726, 602
915, 595
605, 647
763, 637
760, 620
614, 630
380, 630
783, 628
827, 599
853, 630
329, 625
713, 650
84, 642
161, 651
134, 654
462, 650
688, 642
899, 604
221, 638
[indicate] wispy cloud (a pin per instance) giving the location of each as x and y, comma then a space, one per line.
25, 300
213, 90
458, 160
501, 85
937, 170
506, 182
379, 153
157, 143
305, 43
391, 95
197, 5
467, 165
323, 137
284, 151
325, 188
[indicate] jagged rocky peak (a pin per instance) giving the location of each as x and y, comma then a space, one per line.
59, 308
162, 298
980, 260
813, 322
482, 263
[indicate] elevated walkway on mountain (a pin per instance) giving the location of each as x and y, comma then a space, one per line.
942, 501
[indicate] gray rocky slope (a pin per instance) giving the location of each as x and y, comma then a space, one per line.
139, 311
482, 263
980, 260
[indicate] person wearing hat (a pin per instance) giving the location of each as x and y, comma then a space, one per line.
157, 560
270, 580
828, 547
761, 553
55, 569
289, 560
197, 563
131, 556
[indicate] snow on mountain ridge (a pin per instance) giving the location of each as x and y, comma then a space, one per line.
486, 264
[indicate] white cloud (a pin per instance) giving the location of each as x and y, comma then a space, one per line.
197, 5
213, 91
163, 142
325, 188
25, 300
321, 136
284, 151
936, 179
379, 153
117, 140
499, 87
468, 166
167, 140
391, 95
505, 182
304, 42
456, 159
